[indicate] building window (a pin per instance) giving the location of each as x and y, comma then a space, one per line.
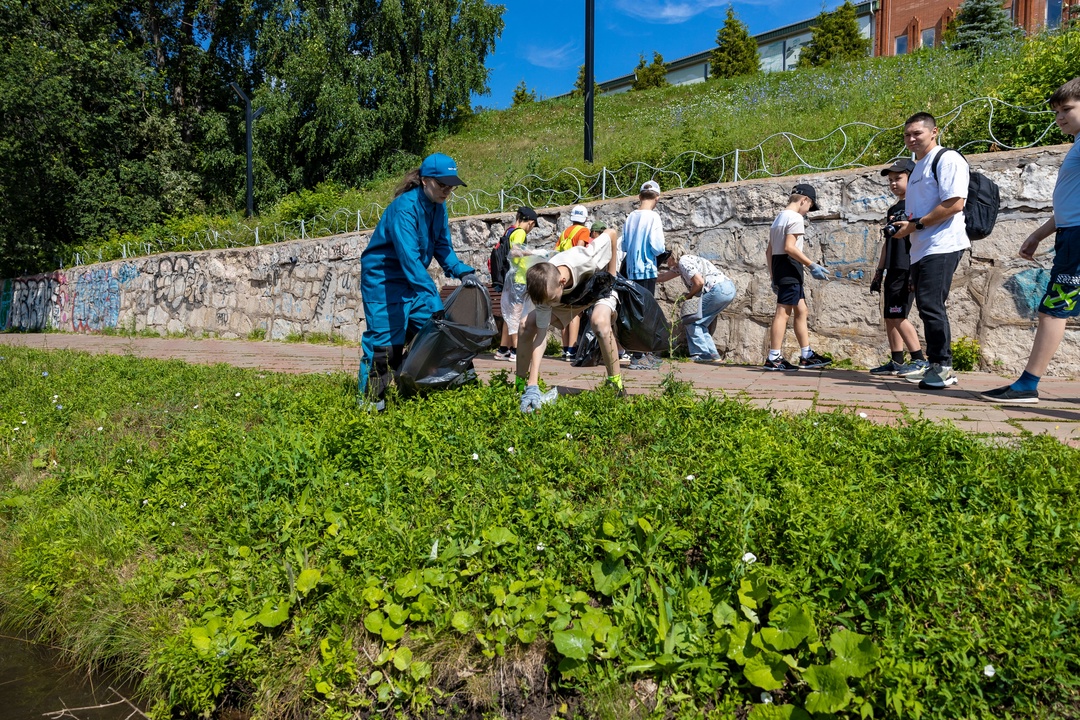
927, 38
1053, 14
901, 45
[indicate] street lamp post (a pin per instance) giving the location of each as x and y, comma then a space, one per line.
249, 117
590, 31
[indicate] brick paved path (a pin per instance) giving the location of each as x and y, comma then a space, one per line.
882, 400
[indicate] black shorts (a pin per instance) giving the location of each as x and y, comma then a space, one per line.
789, 294
898, 298
1062, 298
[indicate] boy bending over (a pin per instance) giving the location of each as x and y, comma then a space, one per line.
545, 284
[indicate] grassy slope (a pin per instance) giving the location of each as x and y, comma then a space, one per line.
171, 519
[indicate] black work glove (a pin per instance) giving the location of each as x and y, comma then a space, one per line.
875, 284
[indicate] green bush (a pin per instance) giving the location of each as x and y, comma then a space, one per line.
966, 354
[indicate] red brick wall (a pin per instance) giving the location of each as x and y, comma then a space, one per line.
911, 17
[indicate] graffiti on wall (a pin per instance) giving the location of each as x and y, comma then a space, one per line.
34, 303
179, 282
96, 300
1026, 289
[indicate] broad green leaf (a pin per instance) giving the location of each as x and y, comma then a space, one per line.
374, 621
778, 712
396, 613
723, 615
789, 625
462, 621
402, 658
391, 632
753, 591
609, 575
740, 637
645, 525
856, 655
536, 610
527, 633
831, 691
323, 688
699, 601
308, 579
574, 643
766, 670
271, 616
200, 639
410, 585
500, 536
375, 679
420, 670
596, 623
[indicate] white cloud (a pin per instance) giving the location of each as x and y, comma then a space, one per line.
667, 12
568, 55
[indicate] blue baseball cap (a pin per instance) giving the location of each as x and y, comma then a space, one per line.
442, 168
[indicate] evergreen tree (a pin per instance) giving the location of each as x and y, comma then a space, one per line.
579, 85
736, 51
523, 95
653, 75
980, 25
836, 38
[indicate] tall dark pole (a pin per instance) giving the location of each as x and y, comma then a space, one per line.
249, 118
590, 31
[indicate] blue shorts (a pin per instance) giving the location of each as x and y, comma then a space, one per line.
1062, 298
789, 294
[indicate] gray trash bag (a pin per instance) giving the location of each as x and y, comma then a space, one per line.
440, 356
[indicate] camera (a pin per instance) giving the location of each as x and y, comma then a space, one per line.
890, 230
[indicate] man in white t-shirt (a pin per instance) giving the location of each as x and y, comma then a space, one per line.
936, 193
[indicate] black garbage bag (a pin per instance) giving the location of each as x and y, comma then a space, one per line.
597, 285
440, 356
588, 344
641, 324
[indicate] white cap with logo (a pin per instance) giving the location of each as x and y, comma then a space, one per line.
579, 214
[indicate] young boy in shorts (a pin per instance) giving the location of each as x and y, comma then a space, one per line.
786, 261
545, 283
1062, 298
892, 273
512, 301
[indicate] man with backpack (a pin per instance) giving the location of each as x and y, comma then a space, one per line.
512, 247
936, 194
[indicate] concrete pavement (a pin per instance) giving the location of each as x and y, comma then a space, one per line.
881, 400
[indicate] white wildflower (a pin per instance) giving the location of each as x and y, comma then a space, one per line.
100, 428
766, 697
196, 407
173, 523
749, 558
510, 449
183, 505
144, 502
475, 456
689, 477
16, 428
45, 374
862, 415
59, 407
434, 554
569, 436
540, 547
576, 413
23, 422
989, 671
237, 395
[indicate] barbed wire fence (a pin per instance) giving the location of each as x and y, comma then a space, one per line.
854, 143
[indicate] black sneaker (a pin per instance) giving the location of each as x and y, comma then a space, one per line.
1007, 396
813, 362
779, 364
890, 368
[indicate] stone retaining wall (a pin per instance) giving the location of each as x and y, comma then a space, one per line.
312, 286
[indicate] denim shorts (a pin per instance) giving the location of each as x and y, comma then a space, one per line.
1062, 298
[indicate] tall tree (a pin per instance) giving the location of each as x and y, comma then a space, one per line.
523, 95
653, 75
579, 85
736, 50
980, 25
836, 38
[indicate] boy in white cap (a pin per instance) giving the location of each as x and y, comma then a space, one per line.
643, 241
577, 235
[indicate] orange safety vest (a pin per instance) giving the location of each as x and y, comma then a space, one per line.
573, 236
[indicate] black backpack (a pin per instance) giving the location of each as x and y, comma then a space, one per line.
983, 200
499, 262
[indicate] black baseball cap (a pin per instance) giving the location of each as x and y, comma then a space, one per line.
806, 191
900, 165
527, 213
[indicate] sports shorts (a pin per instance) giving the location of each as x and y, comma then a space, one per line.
1062, 298
898, 297
790, 294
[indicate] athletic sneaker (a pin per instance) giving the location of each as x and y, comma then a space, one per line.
508, 355
705, 358
938, 377
914, 369
813, 362
779, 364
890, 368
648, 361
1007, 396
616, 386
567, 355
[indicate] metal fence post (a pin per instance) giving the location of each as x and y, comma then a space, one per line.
603, 183
302, 230
502, 200
256, 234
736, 164
357, 221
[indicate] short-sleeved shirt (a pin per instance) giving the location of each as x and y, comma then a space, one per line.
1067, 190
642, 241
897, 250
573, 236
583, 262
925, 192
517, 240
691, 265
785, 270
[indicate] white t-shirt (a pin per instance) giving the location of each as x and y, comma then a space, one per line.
691, 265
1067, 190
642, 241
924, 193
583, 262
788, 222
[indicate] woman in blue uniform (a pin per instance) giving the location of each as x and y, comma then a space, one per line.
399, 296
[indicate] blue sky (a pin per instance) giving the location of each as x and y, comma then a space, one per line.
544, 41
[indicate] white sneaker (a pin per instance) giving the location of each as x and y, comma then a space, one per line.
938, 377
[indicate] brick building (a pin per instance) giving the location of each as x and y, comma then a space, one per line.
904, 26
